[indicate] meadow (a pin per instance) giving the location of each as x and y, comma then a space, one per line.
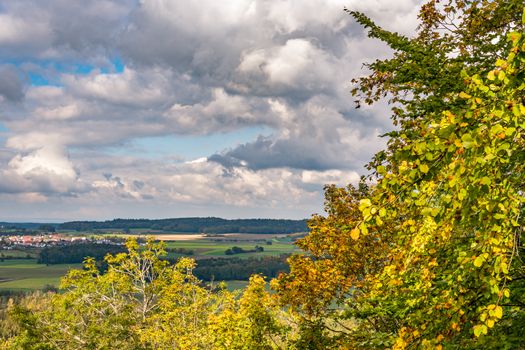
208, 248
26, 274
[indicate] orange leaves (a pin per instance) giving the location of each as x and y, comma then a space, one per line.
311, 285
355, 234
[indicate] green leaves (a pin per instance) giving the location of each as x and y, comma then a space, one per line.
467, 141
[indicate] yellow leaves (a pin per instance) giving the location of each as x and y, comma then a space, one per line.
522, 109
489, 317
365, 203
501, 63
355, 233
462, 194
514, 36
504, 268
480, 329
496, 311
395, 282
365, 206
423, 168
485, 180
390, 270
479, 260
464, 95
400, 344
363, 228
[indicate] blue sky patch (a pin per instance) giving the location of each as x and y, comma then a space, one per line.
190, 147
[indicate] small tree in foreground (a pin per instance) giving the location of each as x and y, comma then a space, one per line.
143, 302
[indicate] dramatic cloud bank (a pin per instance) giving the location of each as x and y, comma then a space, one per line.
168, 108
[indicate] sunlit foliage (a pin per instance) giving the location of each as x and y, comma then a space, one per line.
429, 255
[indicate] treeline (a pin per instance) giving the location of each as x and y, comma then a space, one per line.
227, 269
202, 225
238, 250
182, 251
23, 225
75, 253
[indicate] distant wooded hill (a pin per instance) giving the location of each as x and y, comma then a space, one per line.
202, 225
22, 225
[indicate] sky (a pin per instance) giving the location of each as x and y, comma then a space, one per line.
172, 108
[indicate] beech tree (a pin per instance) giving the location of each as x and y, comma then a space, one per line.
429, 255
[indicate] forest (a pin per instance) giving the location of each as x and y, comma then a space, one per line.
426, 252
193, 225
75, 253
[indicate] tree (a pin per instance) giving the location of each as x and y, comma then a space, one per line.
254, 322
428, 256
47, 228
143, 302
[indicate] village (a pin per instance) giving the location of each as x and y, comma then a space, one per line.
47, 240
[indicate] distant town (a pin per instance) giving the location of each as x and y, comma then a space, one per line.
16, 241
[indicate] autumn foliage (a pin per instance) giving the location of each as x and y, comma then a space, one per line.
428, 256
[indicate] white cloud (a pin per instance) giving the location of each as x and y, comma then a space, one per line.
297, 64
129, 88
46, 171
47, 160
338, 177
19, 31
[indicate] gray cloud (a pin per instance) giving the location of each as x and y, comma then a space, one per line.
61, 29
266, 153
11, 84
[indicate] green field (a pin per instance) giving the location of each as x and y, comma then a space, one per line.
208, 248
17, 253
235, 285
26, 274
